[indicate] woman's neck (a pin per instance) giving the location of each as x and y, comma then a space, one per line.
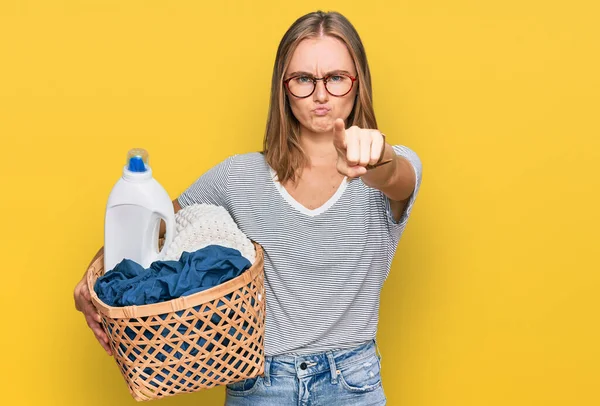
318, 148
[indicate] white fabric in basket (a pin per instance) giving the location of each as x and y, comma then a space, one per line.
199, 225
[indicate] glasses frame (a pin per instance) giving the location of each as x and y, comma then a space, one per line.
286, 82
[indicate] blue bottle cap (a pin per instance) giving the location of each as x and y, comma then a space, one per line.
137, 160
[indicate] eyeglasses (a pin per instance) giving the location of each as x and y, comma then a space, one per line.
336, 84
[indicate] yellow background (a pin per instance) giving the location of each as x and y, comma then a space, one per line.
493, 295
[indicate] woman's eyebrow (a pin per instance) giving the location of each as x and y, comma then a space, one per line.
303, 73
300, 73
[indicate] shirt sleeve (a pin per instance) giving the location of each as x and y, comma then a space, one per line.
415, 162
210, 188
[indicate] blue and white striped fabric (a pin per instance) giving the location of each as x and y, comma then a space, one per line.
324, 268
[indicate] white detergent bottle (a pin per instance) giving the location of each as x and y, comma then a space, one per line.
136, 205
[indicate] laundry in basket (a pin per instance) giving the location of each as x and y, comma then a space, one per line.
130, 284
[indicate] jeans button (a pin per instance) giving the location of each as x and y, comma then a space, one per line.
303, 366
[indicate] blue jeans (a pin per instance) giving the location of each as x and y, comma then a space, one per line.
345, 377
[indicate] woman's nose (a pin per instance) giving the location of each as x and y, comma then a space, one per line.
320, 93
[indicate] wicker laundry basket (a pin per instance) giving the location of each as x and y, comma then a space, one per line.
206, 339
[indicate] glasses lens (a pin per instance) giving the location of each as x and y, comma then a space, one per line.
338, 85
301, 86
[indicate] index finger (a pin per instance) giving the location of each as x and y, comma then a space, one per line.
339, 133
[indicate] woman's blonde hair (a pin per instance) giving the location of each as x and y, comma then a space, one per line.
281, 145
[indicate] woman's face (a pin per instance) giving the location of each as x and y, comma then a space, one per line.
319, 57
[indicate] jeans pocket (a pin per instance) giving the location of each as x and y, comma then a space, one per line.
243, 388
362, 376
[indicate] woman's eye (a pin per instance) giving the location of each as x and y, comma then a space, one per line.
336, 78
303, 79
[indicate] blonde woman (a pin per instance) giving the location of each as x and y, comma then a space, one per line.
328, 200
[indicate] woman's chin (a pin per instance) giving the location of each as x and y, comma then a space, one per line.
322, 125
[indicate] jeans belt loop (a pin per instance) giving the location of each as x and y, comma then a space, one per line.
267, 373
377, 351
332, 367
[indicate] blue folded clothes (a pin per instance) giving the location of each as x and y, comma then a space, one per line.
130, 284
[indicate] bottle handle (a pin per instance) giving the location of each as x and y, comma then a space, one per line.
170, 228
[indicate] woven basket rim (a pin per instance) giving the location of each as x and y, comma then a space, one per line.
177, 304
